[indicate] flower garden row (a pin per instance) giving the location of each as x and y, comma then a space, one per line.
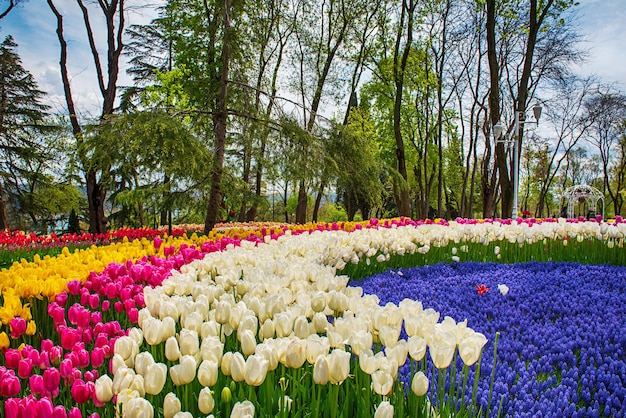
257, 321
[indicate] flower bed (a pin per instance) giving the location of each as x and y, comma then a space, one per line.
562, 348
260, 320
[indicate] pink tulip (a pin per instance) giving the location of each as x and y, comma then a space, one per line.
18, 327
96, 317
61, 298
51, 379
106, 305
44, 360
74, 287
94, 301
133, 315
118, 307
59, 412
9, 385
12, 408
97, 357
56, 353
25, 368
82, 391
37, 386
12, 358
70, 337
66, 368
87, 335
46, 345
75, 413
45, 407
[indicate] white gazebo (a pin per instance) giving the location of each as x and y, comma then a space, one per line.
587, 196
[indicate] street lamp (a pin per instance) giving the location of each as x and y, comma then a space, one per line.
519, 121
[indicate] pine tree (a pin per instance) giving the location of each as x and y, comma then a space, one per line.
22, 115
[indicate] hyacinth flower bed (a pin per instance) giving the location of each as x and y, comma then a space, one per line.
562, 346
261, 324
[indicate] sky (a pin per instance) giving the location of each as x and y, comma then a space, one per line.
33, 27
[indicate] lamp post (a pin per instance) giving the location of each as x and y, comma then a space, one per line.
518, 123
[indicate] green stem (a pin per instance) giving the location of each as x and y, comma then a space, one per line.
493, 373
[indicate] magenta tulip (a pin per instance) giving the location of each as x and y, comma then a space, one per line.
106, 305
9, 385
133, 315
12, 408
61, 298
45, 408
65, 368
18, 327
94, 301
97, 357
37, 386
96, 317
51, 379
25, 368
12, 358
82, 391
59, 412
118, 307
75, 413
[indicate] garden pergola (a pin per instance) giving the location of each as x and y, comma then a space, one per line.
587, 195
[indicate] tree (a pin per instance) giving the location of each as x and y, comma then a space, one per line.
22, 123
607, 109
541, 17
95, 177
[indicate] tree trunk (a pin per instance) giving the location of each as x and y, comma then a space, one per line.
318, 201
402, 190
220, 118
3, 210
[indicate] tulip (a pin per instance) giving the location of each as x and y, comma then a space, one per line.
208, 373
398, 352
75, 413
295, 355
51, 379
321, 370
18, 327
269, 353
283, 324
206, 403
4, 340
320, 322
104, 388
382, 382
417, 347
339, 365
222, 312
82, 391
171, 405
25, 368
255, 370
189, 342
37, 386
212, 349
123, 379
470, 348
172, 351
184, 372
227, 360
301, 327
237, 367
242, 409
155, 377
419, 385
59, 411
248, 342
316, 346
368, 362
267, 330
138, 408
384, 410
